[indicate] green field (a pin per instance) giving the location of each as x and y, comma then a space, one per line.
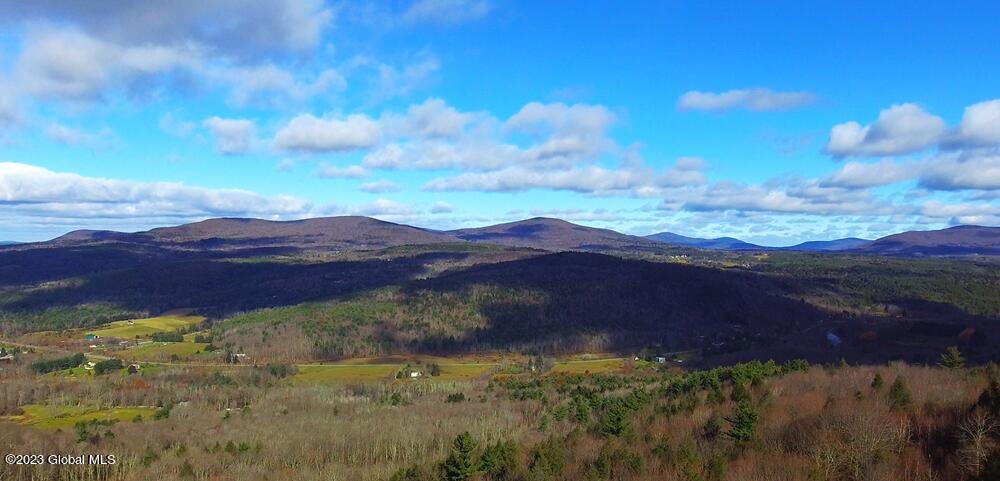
162, 350
47, 417
592, 366
328, 374
146, 327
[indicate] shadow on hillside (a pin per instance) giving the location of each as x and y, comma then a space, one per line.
218, 288
578, 301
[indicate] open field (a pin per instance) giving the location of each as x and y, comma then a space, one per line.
328, 374
145, 327
592, 366
162, 351
48, 417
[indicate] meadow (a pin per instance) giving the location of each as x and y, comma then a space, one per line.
135, 328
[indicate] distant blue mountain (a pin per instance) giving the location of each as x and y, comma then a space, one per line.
830, 245
7, 243
720, 243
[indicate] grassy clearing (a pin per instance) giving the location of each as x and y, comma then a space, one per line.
145, 327
464, 372
330, 374
592, 366
48, 417
163, 350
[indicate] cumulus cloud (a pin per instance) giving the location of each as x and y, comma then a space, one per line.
900, 129
795, 197
446, 12
70, 65
861, 175
232, 136
309, 134
30, 190
380, 186
756, 99
334, 172
980, 125
431, 119
975, 170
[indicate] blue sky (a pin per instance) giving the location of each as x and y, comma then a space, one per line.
802, 120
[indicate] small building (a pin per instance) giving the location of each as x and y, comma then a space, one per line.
89, 366
660, 359
90, 337
415, 374
7, 358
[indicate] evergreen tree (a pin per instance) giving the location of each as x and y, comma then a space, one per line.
952, 358
616, 421
743, 422
581, 408
878, 382
899, 395
459, 465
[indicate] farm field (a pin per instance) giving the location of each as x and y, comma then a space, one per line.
145, 327
48, 417
592, 366
163, 351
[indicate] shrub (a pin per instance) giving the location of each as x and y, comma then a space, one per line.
877, 382
455, 398
899, 395
952, 358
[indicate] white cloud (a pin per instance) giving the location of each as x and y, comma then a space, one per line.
629, 180
10, 115
70, 65
446, 12
28, 190
381, 207
431, 119
975, 170
380, 186
226, 26
861, 175
73, 137
232, 136
442, 208
980, 125
309, 134
263, 84
900, 129
334, 172
756, 99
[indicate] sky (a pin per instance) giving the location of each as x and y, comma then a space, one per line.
778, 124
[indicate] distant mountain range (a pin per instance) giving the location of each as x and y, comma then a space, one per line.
733, 244
364, 233
7, 243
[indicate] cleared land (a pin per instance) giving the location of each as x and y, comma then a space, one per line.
48, 417
158, 351
146, 327
592, 366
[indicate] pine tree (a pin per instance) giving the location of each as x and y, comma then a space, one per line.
952, 358
899, 395
877, 382
459, 465
743, 421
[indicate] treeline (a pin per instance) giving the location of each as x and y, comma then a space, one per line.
58, 364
